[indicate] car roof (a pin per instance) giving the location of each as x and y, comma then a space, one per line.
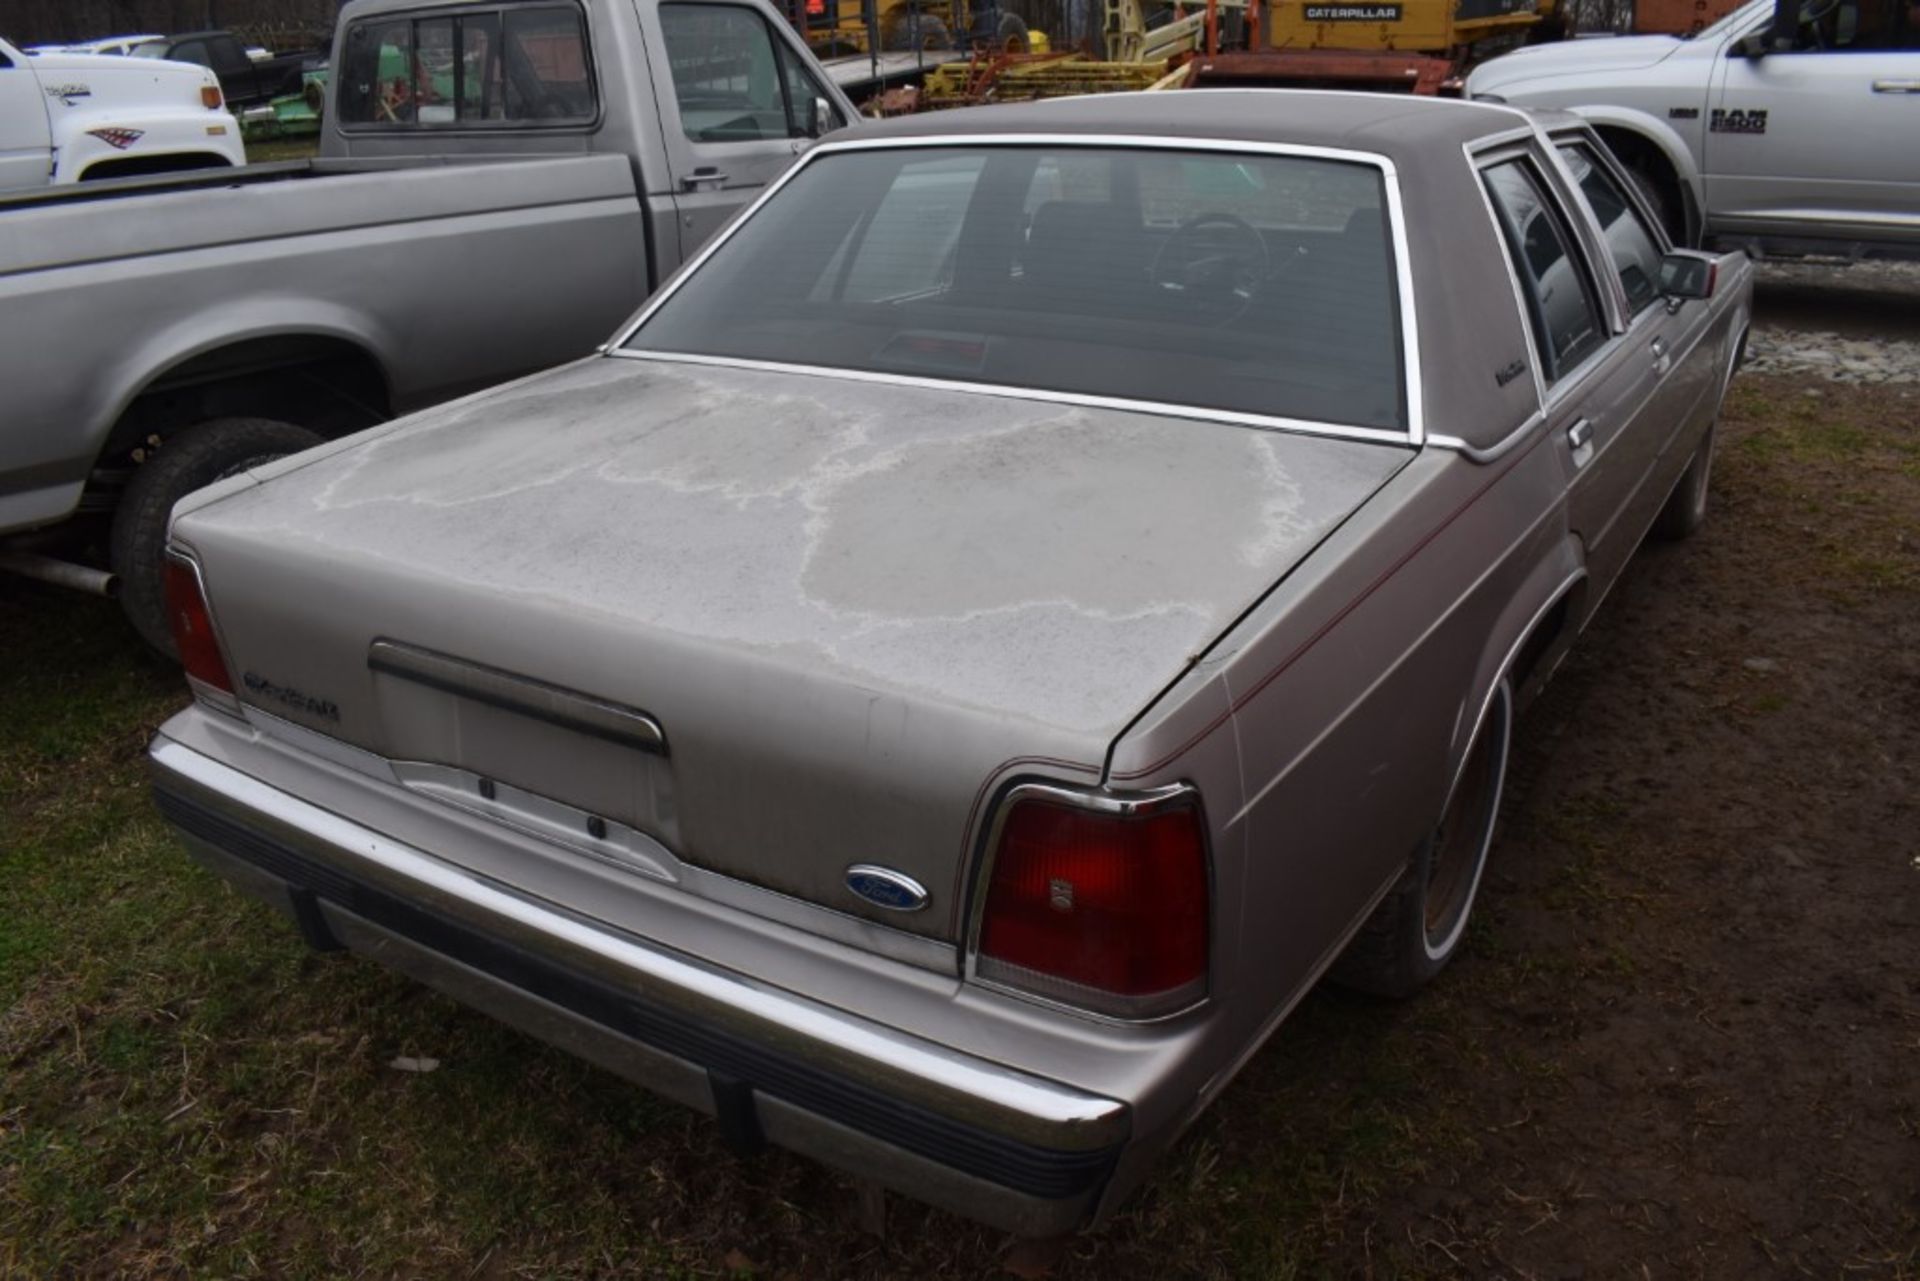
1399, 127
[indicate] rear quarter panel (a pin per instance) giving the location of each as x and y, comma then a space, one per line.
1349, 695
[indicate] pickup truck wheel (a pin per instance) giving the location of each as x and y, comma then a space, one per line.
1686, 507
1418, 926
190, 459
1663, 199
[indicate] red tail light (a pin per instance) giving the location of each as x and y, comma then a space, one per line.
210, 97
193, 626
1106, 910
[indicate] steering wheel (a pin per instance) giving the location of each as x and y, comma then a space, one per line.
1210, 265
1812, 14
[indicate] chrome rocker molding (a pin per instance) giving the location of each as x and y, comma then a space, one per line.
1027, 1154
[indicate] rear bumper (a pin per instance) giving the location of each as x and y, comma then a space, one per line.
1018, 1151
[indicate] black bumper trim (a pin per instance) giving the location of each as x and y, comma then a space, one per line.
1011, 1163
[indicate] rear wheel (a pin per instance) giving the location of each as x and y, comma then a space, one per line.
1417, 928
190, 459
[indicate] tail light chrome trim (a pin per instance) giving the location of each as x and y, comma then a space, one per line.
222, 700
1140, 804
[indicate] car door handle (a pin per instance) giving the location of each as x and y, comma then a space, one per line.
1896, 86
1661, 361
1580, 435
702, 177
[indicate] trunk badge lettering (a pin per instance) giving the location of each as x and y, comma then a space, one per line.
287, 696
884, 887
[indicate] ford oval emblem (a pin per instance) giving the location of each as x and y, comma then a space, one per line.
884, 887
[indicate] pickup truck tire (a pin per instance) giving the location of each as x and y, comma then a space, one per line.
190, 459
1418, 926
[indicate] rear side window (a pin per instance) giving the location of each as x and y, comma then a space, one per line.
733, 81
513, 66
1636, 253
1564, 312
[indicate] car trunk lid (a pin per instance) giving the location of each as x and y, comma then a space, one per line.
779, 624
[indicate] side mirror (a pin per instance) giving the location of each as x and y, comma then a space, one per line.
1685, 275
1752, 47
820, 120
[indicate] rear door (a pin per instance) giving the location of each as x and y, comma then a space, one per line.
24, 141
736, 91
1676, 381
1823, 133
1596, 380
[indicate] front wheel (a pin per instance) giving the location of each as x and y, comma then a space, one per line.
1418, 926
190, 459
1686, 507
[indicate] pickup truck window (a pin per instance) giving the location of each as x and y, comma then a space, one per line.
1564, 311
1636, 253
1252, 283
504, 67
733, 81
1858, 24
194, 51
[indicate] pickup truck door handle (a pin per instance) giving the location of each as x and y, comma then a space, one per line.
1896, 86
703, 177
1580, 435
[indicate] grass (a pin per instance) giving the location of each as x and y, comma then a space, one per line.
188, 1090
262, 153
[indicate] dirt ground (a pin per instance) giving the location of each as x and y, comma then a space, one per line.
1711, 860
1683, 1039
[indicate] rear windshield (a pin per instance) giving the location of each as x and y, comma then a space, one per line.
1252, 283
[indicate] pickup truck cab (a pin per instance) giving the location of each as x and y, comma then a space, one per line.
68, 117
247, 81
1783, 128
471, 219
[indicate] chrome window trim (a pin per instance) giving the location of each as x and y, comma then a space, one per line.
1378, 436
1482, 158
1553, 393
1500, 448
1584, 135
1412, 386
1601, 268
1117, 804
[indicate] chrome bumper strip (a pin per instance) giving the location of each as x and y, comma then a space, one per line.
1020, 1132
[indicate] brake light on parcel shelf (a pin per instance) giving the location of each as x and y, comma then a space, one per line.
1099, 902
193, 636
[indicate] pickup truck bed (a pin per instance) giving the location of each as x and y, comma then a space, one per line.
466, 223
419, 262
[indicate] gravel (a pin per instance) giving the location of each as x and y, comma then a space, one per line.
1873, 306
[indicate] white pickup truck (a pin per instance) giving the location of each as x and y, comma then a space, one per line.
71, 117
1787, 128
